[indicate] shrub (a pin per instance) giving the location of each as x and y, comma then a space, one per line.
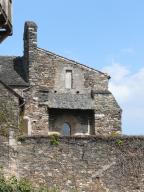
119, 142
54, 140
23, 185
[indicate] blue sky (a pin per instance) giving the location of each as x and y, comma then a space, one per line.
105, 34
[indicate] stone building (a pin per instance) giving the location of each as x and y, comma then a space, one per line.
59, 95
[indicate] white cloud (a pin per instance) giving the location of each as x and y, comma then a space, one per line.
121, 92
117, 71
117, 85
128, 88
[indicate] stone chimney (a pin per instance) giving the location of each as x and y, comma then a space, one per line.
30, 45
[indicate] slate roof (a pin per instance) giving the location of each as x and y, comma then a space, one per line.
67, 101
12, 71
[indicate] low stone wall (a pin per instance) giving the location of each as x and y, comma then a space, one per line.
90, 164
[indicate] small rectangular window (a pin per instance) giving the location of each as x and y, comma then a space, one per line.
43, 95
68, 79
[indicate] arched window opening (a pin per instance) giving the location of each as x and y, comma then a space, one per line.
66, 130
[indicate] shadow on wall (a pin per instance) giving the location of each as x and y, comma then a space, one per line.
71, 122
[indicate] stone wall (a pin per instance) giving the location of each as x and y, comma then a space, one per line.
37, 115
49, 70
107, 114
90, 164
9, 109
4, 155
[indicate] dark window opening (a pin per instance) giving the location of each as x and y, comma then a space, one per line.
43, 95
66, 130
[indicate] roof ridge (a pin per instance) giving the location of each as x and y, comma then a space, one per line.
76, 62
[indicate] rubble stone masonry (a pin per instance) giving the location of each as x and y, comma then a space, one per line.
82, 164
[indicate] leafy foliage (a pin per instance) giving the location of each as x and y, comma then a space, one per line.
54, 140
15, 185
119, 142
